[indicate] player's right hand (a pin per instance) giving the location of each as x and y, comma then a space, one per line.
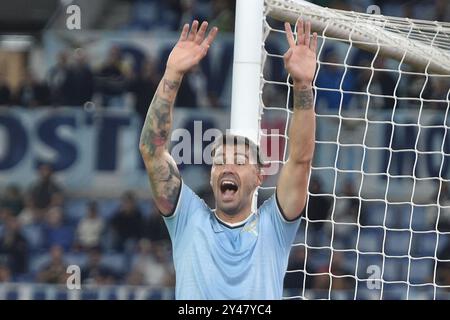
192, 46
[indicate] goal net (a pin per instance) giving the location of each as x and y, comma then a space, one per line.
377, 221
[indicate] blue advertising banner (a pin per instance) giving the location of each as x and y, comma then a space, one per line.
98, 151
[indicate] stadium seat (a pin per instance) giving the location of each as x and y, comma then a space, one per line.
421, 271
33, 233
61, 295
107, 207
89, 294
146, 207
40, 294
79, 259
423, 244
364, 261
37, 261
373, 214
394, 291
75, 209
12, 295
115, 261
419, 220
395, 269
398, 216
397, 243
370, 239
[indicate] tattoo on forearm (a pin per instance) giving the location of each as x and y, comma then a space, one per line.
164, 177
303, 99
165, 182
157, 125
165, 171
170, 85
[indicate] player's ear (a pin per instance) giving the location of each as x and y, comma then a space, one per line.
260, 176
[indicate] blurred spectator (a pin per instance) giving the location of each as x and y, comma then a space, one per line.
111, 80
57, 80
144, 86
95, 272
332, 284
185, 11
187, 95
12, 199
412, 86
5, 93
382, 83
321, 283
437, 89
29, 213
343, 283
90, 228
54, 272
55, 232
45, 192
347, 208
318, 209
79, 82
294, 281
348, 212
442, 10
156, 230
330, 77
126, 224
223, 14
5, 273
443, 266
443, 222
13, 246
154, 269
32, 93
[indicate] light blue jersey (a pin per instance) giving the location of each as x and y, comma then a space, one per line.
216, 261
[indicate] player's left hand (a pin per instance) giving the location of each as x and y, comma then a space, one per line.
300, 59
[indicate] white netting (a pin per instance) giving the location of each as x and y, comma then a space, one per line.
377, 222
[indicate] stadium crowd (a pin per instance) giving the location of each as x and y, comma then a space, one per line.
43, 229
74, 81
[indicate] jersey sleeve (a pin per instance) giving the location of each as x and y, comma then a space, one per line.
285, 230
188, 204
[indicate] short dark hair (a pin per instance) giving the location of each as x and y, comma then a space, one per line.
234, 139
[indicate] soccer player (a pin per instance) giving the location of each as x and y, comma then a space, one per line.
231, 252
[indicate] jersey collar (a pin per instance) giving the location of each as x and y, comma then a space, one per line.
229, 225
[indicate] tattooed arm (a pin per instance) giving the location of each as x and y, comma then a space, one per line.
300, 62
165, 180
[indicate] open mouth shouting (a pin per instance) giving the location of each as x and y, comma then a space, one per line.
228, 187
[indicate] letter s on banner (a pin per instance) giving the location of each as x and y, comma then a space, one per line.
15, 144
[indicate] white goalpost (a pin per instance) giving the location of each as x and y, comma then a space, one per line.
377, 221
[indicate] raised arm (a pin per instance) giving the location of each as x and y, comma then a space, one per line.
300, 62
163, 173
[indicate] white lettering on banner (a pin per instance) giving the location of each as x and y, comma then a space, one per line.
102, 151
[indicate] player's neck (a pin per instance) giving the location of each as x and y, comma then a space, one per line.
234, 218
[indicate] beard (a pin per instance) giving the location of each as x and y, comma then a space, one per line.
229, 209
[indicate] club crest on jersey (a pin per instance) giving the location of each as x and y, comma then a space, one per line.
251, 227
